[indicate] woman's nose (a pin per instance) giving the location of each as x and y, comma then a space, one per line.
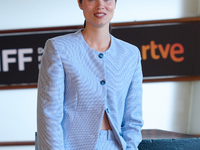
100, 4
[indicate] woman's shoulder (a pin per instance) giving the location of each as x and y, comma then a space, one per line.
128, 47
64, 44
70, 38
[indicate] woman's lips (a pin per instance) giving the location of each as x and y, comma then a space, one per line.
99, 15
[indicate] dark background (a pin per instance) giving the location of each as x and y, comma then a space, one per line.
187, 34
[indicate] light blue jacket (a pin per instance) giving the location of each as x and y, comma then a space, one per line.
78, 84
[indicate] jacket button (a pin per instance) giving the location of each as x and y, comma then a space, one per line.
107, 110
100, 55
102, 82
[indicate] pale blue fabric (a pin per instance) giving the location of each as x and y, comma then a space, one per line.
77, 84
106, 141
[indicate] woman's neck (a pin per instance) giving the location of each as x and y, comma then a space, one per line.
97, 38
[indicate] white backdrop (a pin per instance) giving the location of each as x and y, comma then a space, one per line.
17, 14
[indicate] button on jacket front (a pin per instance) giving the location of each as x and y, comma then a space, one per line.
78, 84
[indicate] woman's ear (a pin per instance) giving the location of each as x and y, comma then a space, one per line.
79, 4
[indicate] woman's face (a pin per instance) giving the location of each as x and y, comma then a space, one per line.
98, 12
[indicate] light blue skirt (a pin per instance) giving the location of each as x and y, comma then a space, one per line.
106, 141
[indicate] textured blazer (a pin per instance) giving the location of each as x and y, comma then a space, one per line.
77, 84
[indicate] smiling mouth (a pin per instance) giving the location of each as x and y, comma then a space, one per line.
100, 14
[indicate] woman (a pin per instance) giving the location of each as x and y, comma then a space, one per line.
90, 87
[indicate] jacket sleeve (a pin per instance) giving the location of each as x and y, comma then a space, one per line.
50, 100
132, 120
